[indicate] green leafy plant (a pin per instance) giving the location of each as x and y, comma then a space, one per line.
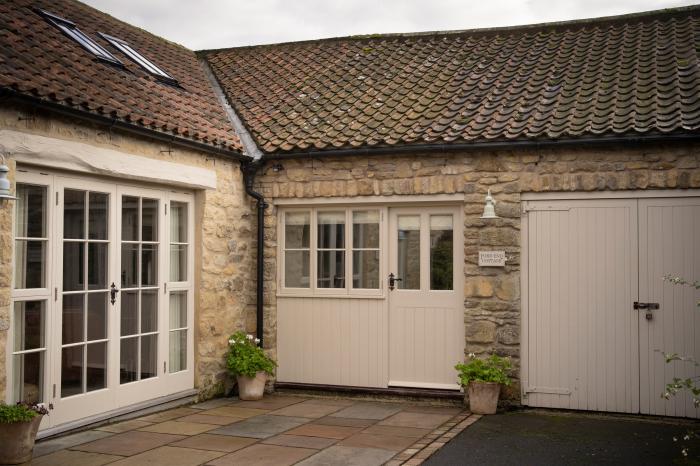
492, 369
689, 384
245, 357
21, 412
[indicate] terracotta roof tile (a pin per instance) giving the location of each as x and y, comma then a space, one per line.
36, 59
635, 74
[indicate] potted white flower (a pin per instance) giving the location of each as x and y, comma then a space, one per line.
18, 427
482, 380
249, 364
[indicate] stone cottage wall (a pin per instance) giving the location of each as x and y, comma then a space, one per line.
492, 295
224, 241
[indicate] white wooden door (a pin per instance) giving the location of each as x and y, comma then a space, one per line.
580, 332
426, 310
83, 324
669, 244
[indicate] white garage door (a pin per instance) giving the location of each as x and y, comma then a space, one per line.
585, 264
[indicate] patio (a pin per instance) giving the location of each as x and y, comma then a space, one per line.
278, 430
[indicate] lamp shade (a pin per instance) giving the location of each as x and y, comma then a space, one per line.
489, 207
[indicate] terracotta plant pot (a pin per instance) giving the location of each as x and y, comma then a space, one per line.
483, 397
251, 388
18, 440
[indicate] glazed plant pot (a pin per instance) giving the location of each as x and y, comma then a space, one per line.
483, 397
251, 388
18, 440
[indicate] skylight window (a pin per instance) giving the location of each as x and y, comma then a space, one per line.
71, 30
142, 61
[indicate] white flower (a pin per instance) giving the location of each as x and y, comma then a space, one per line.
675, 439
686, 437
249, 337
685, 452
472, 355
257, 340
232, 342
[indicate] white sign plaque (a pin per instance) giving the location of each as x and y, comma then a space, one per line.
492, 258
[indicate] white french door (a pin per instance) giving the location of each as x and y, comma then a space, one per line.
426, 310
117, 319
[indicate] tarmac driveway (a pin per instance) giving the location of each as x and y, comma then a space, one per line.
543, 438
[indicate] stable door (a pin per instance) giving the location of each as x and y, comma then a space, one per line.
426, 310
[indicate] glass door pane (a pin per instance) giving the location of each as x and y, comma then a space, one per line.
85, 290
408, 252
139, 275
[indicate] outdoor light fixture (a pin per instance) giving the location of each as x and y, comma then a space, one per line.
489, 207
4, 182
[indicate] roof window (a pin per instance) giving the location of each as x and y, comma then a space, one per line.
142, 61
71, 30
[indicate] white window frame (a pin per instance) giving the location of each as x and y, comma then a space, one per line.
313, 290
32, 294
51, 181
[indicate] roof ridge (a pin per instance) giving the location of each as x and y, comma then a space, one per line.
662, 13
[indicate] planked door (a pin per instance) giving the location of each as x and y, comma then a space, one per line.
669, 244
426, 310
580, 335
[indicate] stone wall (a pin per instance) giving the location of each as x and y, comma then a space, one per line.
224, 241
492, 295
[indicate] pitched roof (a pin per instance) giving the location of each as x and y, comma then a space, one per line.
628, 75
37, 60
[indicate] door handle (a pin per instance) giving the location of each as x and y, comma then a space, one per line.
113, 290
392, 281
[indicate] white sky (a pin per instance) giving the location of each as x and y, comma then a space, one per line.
205, 24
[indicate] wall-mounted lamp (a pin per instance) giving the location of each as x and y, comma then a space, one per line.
489, 207
4, 182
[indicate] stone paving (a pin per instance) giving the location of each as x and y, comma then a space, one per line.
278, 430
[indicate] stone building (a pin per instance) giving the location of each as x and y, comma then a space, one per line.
329, 195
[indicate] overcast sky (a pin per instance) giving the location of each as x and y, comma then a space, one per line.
205, 24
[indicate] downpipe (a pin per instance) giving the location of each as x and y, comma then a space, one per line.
249, 171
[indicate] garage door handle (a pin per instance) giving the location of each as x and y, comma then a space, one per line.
646, 306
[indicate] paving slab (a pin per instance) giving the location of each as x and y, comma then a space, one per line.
309, 409
271, 403
74, 458
320, 430
209, 419
263, 426
547, 438
125, 426
418, 420
397, 431
348, 456
170, 456
214, 403
235, 411
129, 443
451, 410
264, 455
178, 427
225, 443
300, 441
385, 442
169, 414
343, 421
368, 411
44, 447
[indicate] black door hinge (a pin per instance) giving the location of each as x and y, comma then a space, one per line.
648, 306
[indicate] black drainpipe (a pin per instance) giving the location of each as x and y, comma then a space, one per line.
249, 171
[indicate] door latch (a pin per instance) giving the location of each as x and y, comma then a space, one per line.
392, 281
113, 290
647, 306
